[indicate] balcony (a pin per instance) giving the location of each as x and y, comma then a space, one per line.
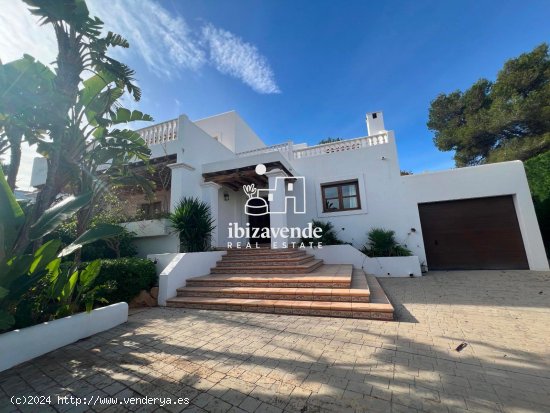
160, 133
318, 150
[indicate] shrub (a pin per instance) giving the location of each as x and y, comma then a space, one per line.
328, 237
131, 275
115, 247
193, 221
382, 243
538, 175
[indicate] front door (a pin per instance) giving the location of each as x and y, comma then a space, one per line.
258, 221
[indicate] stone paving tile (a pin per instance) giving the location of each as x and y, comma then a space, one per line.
251, 362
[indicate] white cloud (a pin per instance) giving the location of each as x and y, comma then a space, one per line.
167, 44
20, 33
164, 42
233, 56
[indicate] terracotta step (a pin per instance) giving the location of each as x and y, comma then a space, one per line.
325, 276
308, 294
266, 251
251, 268
298, 260
379, 311
277, 256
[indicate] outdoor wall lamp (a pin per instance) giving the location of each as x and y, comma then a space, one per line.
225, 196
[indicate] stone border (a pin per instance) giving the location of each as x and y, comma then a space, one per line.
22, 345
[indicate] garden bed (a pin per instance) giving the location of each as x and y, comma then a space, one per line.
18, 346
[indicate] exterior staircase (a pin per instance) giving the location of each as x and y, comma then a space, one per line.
285, 281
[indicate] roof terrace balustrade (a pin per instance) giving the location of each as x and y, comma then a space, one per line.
160, 133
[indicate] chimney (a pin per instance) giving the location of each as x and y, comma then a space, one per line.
375, 123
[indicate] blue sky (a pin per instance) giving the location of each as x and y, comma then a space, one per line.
307, 70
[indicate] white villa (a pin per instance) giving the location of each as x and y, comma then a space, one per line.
469, 218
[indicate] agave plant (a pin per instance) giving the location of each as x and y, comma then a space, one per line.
382, 243
192, 220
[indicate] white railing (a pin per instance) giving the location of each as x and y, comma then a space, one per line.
281, 147
317, 150
160, 133
341, 146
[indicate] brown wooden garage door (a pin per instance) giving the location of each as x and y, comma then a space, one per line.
479, 233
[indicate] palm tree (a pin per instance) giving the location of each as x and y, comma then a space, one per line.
192, 220
81, 48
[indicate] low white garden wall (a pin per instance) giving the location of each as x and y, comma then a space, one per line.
182, 267
379, 266
394, 266
22, 345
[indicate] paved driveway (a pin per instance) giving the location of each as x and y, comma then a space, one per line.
223, 361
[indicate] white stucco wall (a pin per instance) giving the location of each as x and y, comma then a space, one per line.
156, 245
198, 148
506, 178
382, 200
18, 346
232, 131
182, 267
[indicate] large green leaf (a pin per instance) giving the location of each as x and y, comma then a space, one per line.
93, 87
54, 216
68, 288
44, 255
101, 231
89, 274
11, 217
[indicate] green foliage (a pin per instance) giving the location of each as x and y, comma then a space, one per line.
497, 121
20, 274
25, 107
193, 221
538, 175
84, 122
382, 243
130, 276
329, 236
329, 140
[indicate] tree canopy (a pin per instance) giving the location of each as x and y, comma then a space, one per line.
497, 121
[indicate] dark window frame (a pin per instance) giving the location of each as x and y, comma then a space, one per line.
338, 185
150, 209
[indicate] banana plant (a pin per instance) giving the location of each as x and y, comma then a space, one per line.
26, 101
20, 272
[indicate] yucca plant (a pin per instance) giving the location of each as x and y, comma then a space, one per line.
192, 220
382, 243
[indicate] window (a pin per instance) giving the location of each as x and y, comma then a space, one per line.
152, 210
340, 196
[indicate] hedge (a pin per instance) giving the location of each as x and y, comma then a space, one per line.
131, 276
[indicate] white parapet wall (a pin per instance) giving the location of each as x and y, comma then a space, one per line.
379, 266
18, 346
182, 266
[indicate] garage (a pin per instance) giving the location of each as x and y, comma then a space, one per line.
472, 234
